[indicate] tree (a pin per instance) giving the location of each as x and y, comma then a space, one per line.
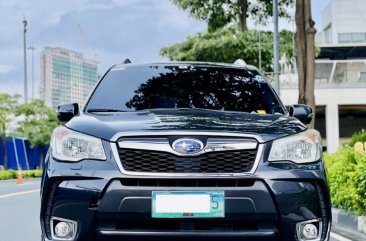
219, 13
37, 122
228, 45
7, 105
225, 43
305, 39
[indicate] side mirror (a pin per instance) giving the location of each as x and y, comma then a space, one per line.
66, 111
302, 112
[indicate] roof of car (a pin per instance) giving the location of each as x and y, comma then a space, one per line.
202, 64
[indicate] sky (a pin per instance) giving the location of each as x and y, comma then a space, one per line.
113, 30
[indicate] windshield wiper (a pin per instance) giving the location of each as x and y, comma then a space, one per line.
105, 110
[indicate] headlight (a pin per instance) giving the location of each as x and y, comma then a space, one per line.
68, 145
301, 148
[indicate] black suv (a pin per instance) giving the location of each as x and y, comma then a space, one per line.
184, 151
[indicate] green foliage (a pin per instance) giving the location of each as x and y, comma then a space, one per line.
32, 173
8, 174
262, 10
11, 174
7, 104
37, 122
211, 11
347, 179
227, 45
219, 13
358, 137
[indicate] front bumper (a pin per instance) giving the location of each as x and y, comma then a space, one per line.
263, 210
108, 205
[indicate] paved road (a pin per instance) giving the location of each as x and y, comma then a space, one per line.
19, 213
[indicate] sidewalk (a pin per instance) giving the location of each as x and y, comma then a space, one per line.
347, 233
349, 223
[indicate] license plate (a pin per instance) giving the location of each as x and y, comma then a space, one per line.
183, 204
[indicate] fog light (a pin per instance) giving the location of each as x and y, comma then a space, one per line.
309, 230
63, 229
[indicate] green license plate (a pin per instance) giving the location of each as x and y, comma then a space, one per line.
183, 204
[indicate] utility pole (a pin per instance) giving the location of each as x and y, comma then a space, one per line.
25, 60
276, 55
32, 48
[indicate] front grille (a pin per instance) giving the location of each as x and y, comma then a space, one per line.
239, 161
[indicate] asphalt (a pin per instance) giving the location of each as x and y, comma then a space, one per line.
19, 214
19, 210
10, 186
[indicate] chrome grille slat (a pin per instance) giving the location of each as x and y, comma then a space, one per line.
213, 144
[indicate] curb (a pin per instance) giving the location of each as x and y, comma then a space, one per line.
352, 221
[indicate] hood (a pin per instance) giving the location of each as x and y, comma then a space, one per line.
106, 125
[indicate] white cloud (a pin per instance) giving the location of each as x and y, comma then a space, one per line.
6, 68
114, 30
11, 88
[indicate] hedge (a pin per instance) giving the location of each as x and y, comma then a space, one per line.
11, 174
346, 171
358, 137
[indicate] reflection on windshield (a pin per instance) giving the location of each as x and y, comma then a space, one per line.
192, 87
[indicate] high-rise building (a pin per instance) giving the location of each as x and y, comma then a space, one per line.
66, 76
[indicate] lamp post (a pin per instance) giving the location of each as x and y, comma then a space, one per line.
276, 41
25, 60
32, 48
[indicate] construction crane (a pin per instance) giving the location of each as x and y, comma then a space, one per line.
93, 57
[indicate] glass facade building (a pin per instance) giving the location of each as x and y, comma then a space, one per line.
66, 76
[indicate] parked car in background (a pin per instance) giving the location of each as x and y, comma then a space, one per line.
184, 151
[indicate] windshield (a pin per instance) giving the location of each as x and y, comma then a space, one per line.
133, 88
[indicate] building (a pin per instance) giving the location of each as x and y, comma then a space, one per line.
340, 78
343, 22
66, 76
